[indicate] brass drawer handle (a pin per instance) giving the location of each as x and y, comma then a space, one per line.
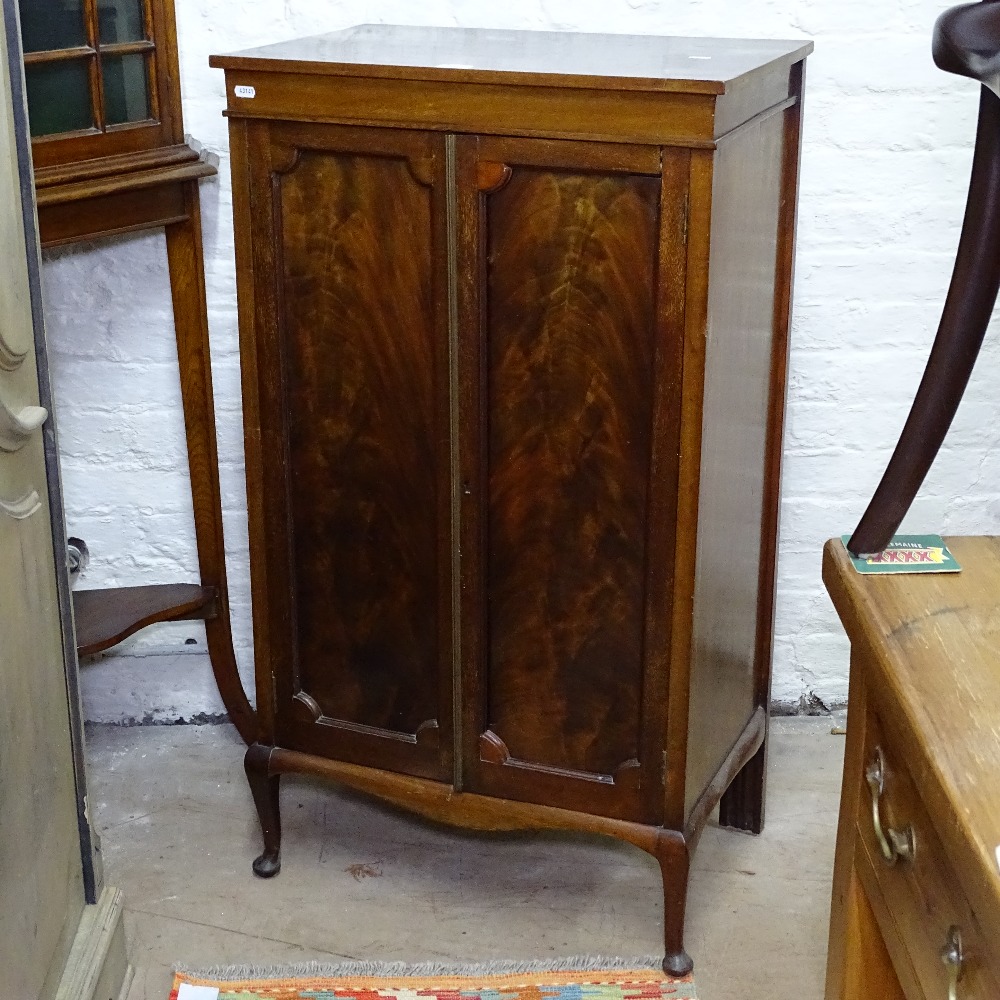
894, 844
952, 956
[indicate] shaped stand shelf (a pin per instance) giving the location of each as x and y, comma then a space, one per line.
117, 194
109, 616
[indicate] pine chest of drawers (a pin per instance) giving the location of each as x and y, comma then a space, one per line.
916, 894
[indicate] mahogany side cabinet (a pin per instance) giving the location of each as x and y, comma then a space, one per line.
514, 323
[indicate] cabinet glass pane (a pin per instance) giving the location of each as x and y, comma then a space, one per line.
126, 92
121, 21
52, 24
59, 97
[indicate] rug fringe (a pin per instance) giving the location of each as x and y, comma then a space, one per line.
578, 963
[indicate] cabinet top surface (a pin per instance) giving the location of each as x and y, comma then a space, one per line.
692, 65
934, 641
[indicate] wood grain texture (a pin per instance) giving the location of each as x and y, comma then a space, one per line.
106, 617
742, 806
738, 432
925, 648
59, 174
868, 970
920, 893
186, 263
120, 188
850, 921
136, 180
697, 247
743, 750
569, 232
596, 87
915, 944
164, 128
664, 501
111, 215
881, 937
358, 302
514, 58
593, 115
437, 802
930, 725
570, 292
362, 446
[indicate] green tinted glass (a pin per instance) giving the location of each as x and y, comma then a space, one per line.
59, 97
126, 92
52, 24
120, 21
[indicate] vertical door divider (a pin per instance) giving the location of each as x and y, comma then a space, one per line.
451, 216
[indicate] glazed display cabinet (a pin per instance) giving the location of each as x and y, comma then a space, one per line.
513, 316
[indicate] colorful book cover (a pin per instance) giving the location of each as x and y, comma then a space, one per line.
908, 554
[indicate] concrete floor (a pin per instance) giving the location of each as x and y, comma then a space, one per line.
360, 881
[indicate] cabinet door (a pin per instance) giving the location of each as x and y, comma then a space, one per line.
349, 534
570, 340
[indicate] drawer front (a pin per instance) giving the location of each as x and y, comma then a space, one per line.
906, 866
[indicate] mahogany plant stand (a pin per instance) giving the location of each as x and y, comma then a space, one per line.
114, 195
101, 175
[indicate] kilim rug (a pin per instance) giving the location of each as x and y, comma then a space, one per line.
589, 978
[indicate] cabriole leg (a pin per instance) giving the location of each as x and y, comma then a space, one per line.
264, 788
672, 854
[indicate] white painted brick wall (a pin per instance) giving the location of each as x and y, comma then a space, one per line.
887, 150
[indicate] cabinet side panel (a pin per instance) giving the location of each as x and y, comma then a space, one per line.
571, 327
740, 334
358, 316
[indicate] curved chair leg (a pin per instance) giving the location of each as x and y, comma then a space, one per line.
967, 312
264, 788
674, 857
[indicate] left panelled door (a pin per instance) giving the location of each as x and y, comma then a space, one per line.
352, 355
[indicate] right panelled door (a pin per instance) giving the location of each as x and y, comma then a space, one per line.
569, 346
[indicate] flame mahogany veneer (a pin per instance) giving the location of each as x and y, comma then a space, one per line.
513, 316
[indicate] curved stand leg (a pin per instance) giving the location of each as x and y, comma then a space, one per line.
672, 853
187, 288
967, 312
264, 788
